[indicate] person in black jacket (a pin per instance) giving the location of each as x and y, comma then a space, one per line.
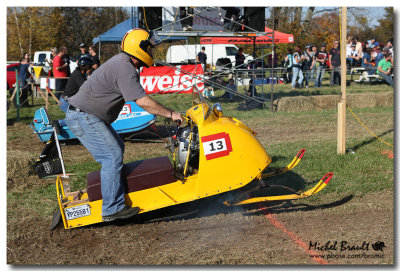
95, 58
77, 78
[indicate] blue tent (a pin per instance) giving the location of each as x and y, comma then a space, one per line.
115, 34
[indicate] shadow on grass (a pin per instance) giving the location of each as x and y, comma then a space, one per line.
369, 141
26, 120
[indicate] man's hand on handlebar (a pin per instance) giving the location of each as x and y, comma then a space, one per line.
177, 116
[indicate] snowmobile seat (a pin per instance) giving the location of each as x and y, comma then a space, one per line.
138, 175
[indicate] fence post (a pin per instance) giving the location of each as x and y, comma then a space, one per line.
341, 136
17, 98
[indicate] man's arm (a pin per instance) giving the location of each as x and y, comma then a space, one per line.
58, 65
382, 71
154, 107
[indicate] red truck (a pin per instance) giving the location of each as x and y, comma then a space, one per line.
11, 74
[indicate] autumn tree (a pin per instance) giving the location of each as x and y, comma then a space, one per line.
31, 29
384, 31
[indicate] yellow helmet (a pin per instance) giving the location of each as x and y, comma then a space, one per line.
138, 43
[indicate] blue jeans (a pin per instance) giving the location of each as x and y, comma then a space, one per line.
335, 75
297, 72
370, 68
64, 107
312, 73
307, 75
107, 149
388, 78
319, 76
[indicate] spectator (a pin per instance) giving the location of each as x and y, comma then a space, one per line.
389, 49
379, 55
60, 71
84, 51
307, 64
367, 61
230, 89
353, 56
320, 62
297, 61
27, 57
95, 58
372, 43
23, 76
23, 71
53, 53
209, 87
359, 47
348, 45
208, 92
314, 50
202, 58
384, 69
239, 59
67, 59
288, 64
334, 61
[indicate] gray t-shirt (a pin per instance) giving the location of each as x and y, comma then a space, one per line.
108, 88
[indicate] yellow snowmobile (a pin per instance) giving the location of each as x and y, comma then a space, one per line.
211, 154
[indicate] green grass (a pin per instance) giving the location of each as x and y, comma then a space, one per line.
364, 172
181, 102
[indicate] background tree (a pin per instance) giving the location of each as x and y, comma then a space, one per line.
33, 29
40, 28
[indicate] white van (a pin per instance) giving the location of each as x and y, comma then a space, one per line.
188, 53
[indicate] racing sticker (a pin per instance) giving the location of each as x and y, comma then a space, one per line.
217, 145
126, 109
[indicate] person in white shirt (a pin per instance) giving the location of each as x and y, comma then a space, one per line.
353, 56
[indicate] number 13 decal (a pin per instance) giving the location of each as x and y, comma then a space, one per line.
217, 145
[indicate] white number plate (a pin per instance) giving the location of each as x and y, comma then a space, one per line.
77, 211
214, 146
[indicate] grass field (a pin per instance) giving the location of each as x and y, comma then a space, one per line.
366, 172
282, 134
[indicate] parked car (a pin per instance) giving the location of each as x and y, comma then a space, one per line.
11, 74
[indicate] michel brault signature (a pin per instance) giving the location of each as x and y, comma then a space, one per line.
346, 246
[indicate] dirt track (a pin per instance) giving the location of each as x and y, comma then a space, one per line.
215, 235
258, 234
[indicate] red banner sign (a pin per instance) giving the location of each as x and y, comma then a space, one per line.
164, 79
